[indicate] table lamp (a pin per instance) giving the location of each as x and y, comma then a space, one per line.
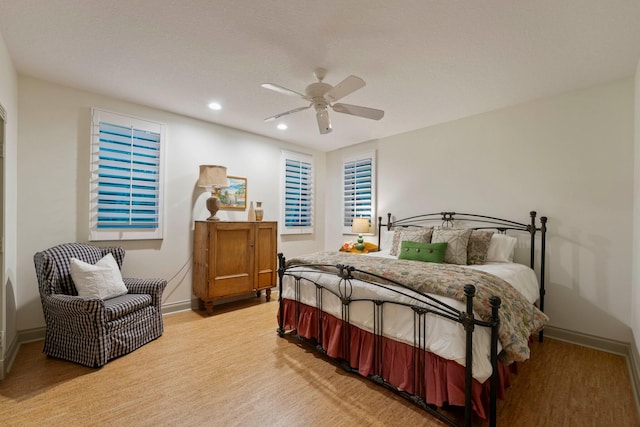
212, 177
360, 225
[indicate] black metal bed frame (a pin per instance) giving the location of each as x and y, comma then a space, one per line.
422, 305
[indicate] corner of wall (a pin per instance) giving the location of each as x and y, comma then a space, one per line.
634, 351
8, 199
635, 273
633, 362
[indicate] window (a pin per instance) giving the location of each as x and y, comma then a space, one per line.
126, 177
297, 209
358, 178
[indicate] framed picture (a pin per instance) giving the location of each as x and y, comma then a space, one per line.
235, 195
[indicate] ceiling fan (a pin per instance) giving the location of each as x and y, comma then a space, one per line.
322, 96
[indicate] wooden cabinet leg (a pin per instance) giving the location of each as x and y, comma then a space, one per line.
268, 292
258, 293
200, 304
209, 306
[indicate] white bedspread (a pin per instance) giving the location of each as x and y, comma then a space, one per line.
444, 337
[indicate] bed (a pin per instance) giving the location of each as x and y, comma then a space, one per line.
441, 314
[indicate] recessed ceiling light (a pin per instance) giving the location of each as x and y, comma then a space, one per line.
215, 106
282, 126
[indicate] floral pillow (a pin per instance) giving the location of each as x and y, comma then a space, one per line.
456, 240
420, 235
478, 247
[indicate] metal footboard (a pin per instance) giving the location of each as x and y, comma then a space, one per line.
422, 306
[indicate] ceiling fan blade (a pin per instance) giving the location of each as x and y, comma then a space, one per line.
295, 110
324, 123
356, 110
281, 89
344, 88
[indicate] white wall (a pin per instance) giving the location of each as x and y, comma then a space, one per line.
334, 237
635, 294
570, 157
9, 100
53, 172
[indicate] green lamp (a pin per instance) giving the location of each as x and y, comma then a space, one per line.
360, 225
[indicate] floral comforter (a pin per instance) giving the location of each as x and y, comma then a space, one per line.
518, 318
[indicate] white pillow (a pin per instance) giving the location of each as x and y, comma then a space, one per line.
501, 248
102, 280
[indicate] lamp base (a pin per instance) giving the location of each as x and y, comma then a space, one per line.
213, 206
360, 244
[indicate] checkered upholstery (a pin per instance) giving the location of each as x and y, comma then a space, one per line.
92, 331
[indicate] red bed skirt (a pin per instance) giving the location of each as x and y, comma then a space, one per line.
443, 381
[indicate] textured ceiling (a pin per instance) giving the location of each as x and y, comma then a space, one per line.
424, 61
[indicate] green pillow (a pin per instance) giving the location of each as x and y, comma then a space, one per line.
426, 252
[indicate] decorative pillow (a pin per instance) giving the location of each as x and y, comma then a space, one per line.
457, 240
478, 246
426, 252
100, 280
420, 235
501, 248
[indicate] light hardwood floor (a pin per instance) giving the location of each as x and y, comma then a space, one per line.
231, 369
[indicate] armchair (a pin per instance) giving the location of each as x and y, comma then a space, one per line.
92, 331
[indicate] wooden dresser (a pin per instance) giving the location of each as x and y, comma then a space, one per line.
232, 258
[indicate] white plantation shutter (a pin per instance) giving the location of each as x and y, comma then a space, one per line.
358, 178
297, 209
126, 184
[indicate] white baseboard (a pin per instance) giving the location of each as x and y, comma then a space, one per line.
176, 307
634, 368
21, 337
586, 340
9, 357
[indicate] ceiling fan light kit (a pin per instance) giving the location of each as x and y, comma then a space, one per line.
322, 96
324, 123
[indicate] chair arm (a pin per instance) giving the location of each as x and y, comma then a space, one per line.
73, 313
153, 287
71, 303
